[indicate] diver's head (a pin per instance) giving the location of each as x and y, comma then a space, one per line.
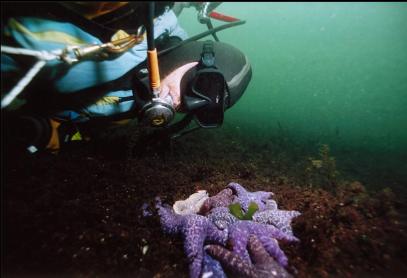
215, 84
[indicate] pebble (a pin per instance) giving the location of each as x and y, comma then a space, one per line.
386, 257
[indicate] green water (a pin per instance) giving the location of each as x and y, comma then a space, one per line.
327, 73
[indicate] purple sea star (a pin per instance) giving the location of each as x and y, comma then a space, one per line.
279, 218
245, 197
240, 231
270, 204
222, 199
212, 268
145, 210
221, 217
195, 230
264, 266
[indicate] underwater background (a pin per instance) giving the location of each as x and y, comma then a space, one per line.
322, 125
324, 73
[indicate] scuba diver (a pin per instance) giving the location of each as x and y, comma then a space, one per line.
68, 67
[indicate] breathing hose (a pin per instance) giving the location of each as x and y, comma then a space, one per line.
154, 72
202, 35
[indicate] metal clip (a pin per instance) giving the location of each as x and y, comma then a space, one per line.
203, 13
73, 54
205, 9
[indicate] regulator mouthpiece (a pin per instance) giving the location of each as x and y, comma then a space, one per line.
158, 112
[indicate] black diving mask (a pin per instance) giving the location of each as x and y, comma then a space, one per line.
207, 99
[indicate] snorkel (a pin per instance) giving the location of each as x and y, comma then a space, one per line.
157, 112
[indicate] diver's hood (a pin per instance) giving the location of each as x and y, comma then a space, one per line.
230, 61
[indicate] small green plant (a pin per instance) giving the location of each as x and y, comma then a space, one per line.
236, 210
321, 171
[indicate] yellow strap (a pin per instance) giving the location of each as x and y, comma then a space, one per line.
121, 122
120, 34
108, 100
54, 144
52, 36
76, 137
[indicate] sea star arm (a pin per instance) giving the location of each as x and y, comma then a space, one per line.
265, 266
231, 261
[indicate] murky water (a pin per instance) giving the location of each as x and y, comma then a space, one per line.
324, 73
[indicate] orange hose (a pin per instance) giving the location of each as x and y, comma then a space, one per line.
154, 72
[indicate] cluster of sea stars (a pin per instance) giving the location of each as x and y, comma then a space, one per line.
216, 240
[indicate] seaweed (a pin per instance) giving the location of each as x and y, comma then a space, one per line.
236, 210
321, 171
